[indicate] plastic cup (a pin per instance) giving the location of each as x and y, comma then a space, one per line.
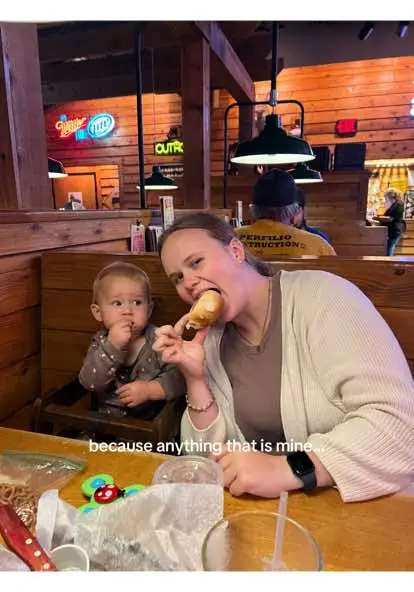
70, 558
189, 469
245, 542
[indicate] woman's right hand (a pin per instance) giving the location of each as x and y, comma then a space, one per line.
189, 356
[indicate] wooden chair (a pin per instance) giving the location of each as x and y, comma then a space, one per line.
74, 409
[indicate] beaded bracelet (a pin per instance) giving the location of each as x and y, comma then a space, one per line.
199, 409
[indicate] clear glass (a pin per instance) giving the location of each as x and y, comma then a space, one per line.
189, 469
245, 542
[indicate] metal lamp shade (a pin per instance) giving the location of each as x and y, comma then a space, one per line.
55, 169
157, 181
303, 174
273, 146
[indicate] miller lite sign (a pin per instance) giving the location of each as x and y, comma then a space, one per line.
95, 128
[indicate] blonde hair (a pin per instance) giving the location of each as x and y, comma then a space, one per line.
124, 270
394, 195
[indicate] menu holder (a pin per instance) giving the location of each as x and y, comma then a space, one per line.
167, 210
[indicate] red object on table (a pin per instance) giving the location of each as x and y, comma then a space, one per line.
20, 540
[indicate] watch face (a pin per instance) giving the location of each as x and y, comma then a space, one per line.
301, 463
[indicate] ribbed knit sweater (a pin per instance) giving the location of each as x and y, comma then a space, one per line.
346, 387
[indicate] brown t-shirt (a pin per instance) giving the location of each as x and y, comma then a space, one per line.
255, 374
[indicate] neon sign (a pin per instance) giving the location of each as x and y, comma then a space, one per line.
99, 126
412, 108
169, 148
66, 127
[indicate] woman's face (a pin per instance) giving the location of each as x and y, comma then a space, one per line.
388, 201
196, 262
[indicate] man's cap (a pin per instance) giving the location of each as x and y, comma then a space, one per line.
275, 189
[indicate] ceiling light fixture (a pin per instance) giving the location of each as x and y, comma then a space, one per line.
55, 168
158, 182
273, 145
303, 174
366, 31
402, 29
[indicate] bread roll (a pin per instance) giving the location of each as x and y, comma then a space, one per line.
206, 310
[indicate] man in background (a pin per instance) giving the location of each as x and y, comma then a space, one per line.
302, 218
275, 212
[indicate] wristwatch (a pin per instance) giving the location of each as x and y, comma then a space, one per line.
303, 468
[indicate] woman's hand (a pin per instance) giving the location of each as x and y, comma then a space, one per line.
256, 473
187, 355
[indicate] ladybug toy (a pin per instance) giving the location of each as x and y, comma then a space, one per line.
101, 489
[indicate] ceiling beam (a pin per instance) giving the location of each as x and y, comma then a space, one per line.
108, 86
115, 40
238, 82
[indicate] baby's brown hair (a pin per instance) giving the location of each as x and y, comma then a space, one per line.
121, 269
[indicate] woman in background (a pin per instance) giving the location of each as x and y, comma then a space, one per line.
393, 218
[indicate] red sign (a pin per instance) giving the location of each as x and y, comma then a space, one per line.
67, 127
346, 128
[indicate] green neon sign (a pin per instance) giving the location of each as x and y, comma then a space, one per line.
169, 148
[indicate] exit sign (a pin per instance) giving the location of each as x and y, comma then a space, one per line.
346, 128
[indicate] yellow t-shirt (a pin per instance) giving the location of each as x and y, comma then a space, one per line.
268, 237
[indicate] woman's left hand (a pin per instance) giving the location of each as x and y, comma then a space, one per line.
256, 473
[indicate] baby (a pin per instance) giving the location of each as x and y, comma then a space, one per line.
121, 366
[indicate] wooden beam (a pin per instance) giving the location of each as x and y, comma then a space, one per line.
115, 40
24, 182
239, 84
196, 93
109, 86
155, 65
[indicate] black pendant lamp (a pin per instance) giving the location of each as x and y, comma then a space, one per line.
55, 168
158, 182
273, 145
303, 174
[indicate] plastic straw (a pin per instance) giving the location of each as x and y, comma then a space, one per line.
280, 527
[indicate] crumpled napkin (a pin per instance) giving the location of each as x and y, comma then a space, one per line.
161, 528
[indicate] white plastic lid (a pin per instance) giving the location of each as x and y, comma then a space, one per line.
189, 469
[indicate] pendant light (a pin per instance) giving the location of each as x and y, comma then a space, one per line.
273, 145
303, 174
157, 181
55, 169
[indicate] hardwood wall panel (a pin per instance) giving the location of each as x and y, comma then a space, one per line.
376, 92
406, 244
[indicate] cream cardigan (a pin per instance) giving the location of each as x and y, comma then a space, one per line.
346, 387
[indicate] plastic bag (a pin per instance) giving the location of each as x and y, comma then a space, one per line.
24, 476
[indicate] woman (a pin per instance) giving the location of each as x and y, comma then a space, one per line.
297, 357
393, 218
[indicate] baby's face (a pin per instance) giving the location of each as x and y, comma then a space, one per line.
122, 298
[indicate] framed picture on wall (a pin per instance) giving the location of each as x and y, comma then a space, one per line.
409, 204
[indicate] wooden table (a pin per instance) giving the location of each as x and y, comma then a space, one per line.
374, 535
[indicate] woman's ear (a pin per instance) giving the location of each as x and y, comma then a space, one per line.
96, 312
237, 250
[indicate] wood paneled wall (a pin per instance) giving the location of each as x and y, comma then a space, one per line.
25, 236
406, 244
376, 92
161, 112
107, 181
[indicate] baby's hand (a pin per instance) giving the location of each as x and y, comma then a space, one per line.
120, 334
